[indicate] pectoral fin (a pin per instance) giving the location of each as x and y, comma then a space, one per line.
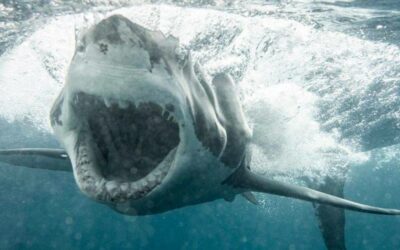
249, 181
40, 158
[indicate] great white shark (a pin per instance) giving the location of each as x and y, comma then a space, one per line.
144, 131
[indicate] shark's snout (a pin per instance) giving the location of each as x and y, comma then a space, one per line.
123, 149
117, 41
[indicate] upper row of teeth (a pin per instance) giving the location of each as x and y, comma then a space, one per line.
121, 104
125, 104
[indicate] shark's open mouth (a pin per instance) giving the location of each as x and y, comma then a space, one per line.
124, 150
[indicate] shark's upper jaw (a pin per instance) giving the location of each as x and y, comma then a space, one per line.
123, 149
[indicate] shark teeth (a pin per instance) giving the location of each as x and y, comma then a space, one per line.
107, 102
167, 110
115, 191
90, 161
120, 103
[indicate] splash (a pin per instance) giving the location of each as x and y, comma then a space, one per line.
315, 98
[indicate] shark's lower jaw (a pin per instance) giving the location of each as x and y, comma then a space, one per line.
124, 150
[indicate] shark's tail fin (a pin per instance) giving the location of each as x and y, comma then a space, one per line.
247, 180
331, 219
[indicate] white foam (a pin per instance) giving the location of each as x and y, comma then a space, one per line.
284, 69
32, 74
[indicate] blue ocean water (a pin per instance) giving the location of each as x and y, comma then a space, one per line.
352, 76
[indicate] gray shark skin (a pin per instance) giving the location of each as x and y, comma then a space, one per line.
145, 132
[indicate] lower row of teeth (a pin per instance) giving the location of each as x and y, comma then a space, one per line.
127, 190
136, 189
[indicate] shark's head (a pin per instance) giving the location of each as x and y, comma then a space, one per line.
127, 109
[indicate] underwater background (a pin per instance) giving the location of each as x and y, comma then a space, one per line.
320, 86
